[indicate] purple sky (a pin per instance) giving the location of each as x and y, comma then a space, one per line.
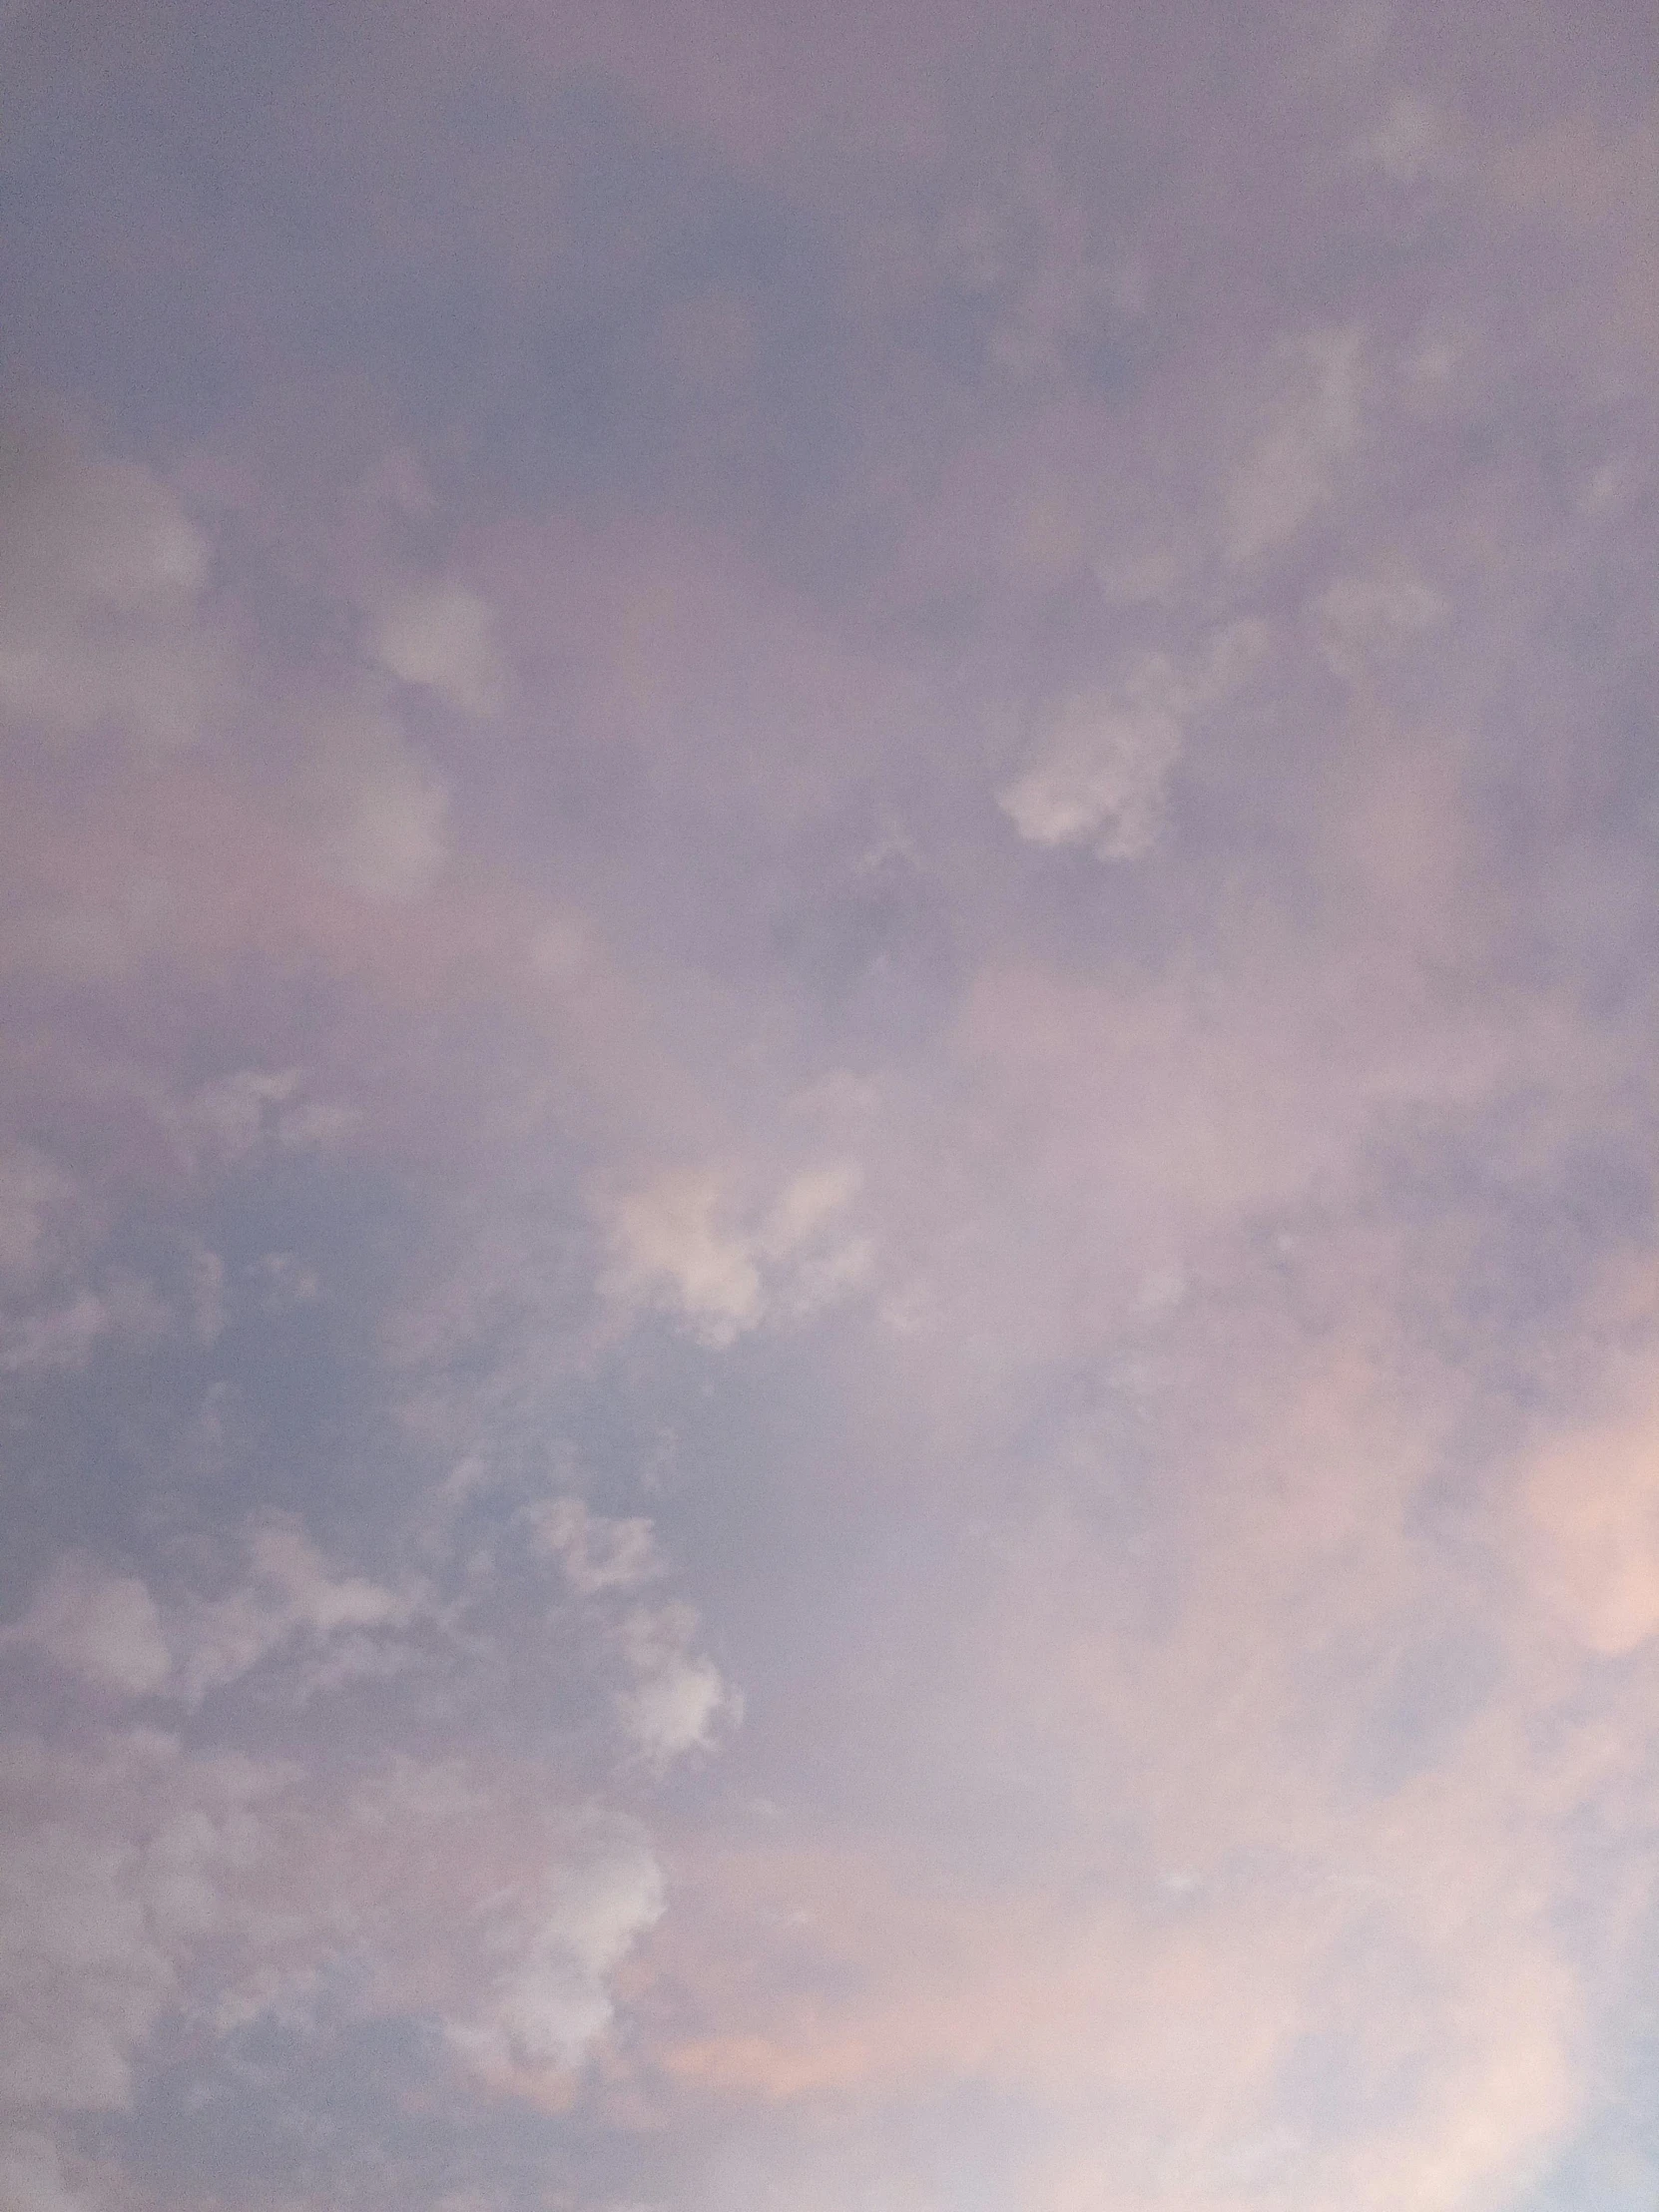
829, 1321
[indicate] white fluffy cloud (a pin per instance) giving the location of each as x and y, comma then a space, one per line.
495, 1905
1107, 758
129, 1858
290, 1598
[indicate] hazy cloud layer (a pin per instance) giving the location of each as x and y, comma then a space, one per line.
829, 1337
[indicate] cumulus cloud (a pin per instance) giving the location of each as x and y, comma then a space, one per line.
60, 1337
1109, 755
59, 1325
127, 1855
291, 1594
496, 1907
675, 1704
668, 1242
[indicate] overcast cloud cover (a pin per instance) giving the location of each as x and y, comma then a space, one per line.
829, 1321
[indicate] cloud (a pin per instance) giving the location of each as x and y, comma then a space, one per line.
105, 1628
291, 1595
1590, 1528
443, 636
31, 2174
675, 1706
1105, 757
1200, 1605
39, 1208
1294, 1982
597, 1551
377, 810
254, 1109
108, 1630
686, 1242
494, 1905
551, 2006
1137, 579
102, 581
1108, 757
113, 1875
1291, 470
1412, 145
85, 1979
678, 1695
668, 1242
62, 1337
127, 1853
1365, 620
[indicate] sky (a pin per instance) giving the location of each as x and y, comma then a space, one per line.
828, 1269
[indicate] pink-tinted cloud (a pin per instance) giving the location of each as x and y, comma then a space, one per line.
825, 1155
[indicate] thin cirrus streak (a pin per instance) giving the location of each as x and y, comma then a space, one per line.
829, 1345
